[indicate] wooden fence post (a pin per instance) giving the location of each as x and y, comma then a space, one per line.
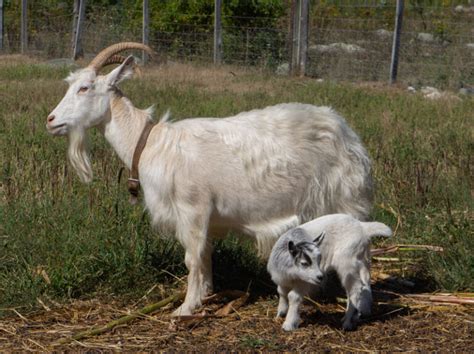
294, 52
78, 51
299, 36
1, 25
75, 16
217, 32
396, 42
24, 24
146, 28
304, 19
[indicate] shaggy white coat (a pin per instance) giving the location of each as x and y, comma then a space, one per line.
261, 172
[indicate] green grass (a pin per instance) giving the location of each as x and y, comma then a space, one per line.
251, 342
62, 239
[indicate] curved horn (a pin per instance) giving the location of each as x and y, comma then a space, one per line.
98, 62
114, 59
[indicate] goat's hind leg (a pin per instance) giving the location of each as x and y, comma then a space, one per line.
359, 297
206, 271
364, 303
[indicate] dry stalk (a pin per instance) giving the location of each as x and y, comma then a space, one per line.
395, 248
122, 320
445, 298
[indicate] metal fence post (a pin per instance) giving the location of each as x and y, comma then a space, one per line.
1, 25
146, 28
24, 30
217, 32
78, 50
396, 42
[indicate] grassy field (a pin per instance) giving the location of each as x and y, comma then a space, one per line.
61, 239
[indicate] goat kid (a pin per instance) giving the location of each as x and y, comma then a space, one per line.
260, 172
336, 242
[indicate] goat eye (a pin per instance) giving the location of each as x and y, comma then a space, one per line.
83, 89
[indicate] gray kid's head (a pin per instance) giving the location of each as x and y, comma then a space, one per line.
305, 254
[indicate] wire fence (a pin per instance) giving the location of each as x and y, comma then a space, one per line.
437, 44
348, 40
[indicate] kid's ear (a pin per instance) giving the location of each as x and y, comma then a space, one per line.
292, 248
317, 241
122, 72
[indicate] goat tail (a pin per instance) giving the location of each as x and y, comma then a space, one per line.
372, 229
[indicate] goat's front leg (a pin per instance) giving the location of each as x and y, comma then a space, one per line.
197, 260
193, 292
292, 321
283, 301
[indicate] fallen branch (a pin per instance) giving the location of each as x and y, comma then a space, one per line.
396, 248
236, 299
234, 305
226, 294
125, 319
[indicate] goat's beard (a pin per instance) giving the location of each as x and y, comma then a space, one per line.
78, 154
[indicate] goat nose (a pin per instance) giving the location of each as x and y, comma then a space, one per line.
51, 118
319, 277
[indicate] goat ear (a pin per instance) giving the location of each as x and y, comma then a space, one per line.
317, 241
122, 72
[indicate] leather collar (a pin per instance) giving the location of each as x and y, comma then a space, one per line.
133, 181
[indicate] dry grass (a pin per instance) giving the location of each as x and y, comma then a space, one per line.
394, 328
210, 79
399, 323
17, 59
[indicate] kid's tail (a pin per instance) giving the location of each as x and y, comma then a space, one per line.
372, 229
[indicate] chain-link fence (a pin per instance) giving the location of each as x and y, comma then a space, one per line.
348, 40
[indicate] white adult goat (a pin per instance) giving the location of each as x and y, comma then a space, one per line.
261, 172
335, 242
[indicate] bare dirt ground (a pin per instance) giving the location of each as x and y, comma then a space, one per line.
400, 322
